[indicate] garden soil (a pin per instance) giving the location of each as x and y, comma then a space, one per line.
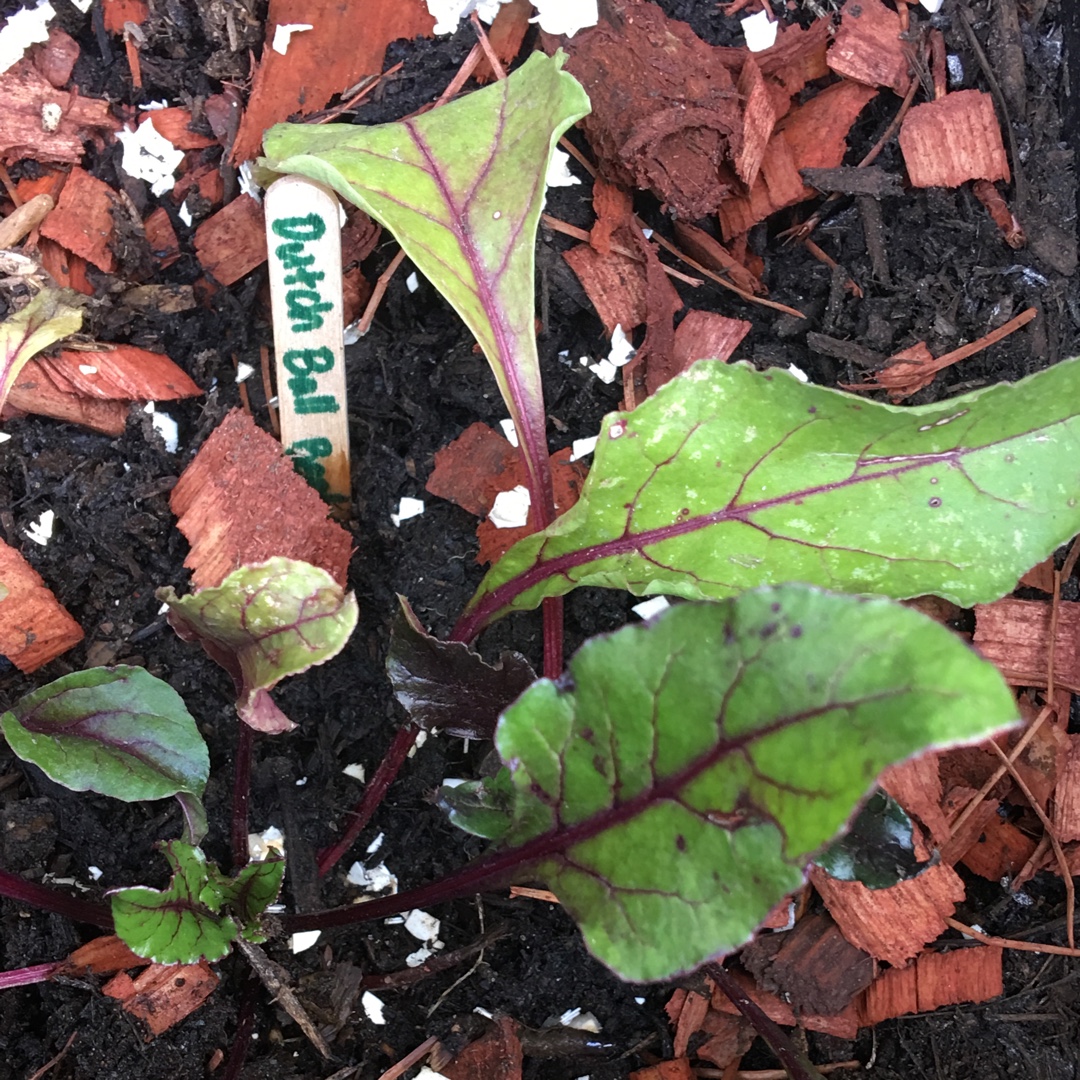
415, 383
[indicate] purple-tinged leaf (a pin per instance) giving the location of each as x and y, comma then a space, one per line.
263, 623
461, 188
674, 785
117, 731
45, 320
728, 478
201, 912
445, 685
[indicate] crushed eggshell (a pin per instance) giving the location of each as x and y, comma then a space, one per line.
374, 1007
412, 282
356, 771
421, 956
565, 16
283, 33
582, 448
558, 171
244, 372
372, 879
149, 156
375, 844
580, 1021
429, 1074
304, 939
448, 13
422, 926
260, 845
408, 507
511, 508
41, 531
23, 28
759, 31
509, 431
653, 606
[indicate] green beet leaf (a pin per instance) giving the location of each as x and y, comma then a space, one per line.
674, 785
461, 188
117, 731
728, 478
263, 623
201, 912
46, 319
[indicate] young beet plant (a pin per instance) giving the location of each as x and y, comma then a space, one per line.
122, 732
675, 782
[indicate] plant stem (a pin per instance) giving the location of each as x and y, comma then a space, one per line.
389, 767
48, 899
26, 976
795, 1062
245, 741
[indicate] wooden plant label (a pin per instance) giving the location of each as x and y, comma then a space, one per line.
304, 240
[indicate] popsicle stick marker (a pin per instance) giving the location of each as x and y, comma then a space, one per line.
303, 233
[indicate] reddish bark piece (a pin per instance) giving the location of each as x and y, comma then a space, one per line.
35, 392
812, 136
201, 176
122, 373
359, 238
506, 34
844, 1025
346, 44
233, 242
173, 123
953, 139
614, 283
496, 1055
702, 335
679, 1069
1014, 635
161, 236
34, 626
711, 253
614, 210
241, 502
665, 109
100, 956
473, 469
55, 58
1042, 761
355, 293
567, 478
812, 967
967, 835
1041, 577
759, 119
118, 12
729, 1039
1066, 810
83, 219
691, 1017
1001, 850
67, 270
797, 56
24, 91
916, 785
1012, 232
892, 924
933, 981
164, 993
868, 47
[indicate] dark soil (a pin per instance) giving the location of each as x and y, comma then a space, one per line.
414, 384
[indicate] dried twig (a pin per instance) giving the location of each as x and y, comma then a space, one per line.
1010, 943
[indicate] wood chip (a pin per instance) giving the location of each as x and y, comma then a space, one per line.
916, 785
100, 956
241, 502
24, 91
34, 626
935, 979
892, 924
164, 993
679, 1069
702, 335
317, 66
56, 57
496, 1055
118, 12
614, 283
868, 47
1066, 808
1000, 850
122, 372
83, 219
759, 119
35, 392
174, 124
232, 242
953, 139
506, 34
1014, 635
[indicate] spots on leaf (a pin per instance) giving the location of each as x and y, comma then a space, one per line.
796, 631
768, 630
935, 502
